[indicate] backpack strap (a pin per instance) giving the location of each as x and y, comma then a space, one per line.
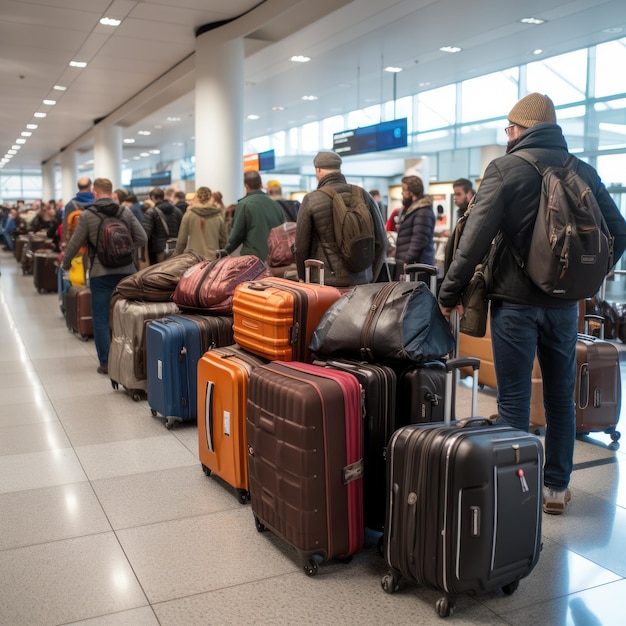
167, 230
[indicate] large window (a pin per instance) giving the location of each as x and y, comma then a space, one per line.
563, 78
436, 108
610, 64
489, 96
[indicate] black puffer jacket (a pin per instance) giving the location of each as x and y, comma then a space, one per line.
508, 199
315, 235
415, 236
152, 224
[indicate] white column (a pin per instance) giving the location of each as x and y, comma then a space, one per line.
107, 154
219, 115
69, 174
47, 182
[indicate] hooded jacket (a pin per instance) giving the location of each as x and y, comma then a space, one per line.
155, 231
87, 232
315, 235
202, 230
415, 235
508, 200
255, 215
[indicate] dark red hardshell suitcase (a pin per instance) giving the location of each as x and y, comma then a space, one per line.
78, 311
45, 270
598, 386
463, 506
305, 458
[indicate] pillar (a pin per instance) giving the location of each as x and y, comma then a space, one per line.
107, 154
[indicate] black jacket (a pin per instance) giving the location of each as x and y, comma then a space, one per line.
508, 199
152, 224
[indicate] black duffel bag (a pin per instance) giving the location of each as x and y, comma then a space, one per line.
384, 322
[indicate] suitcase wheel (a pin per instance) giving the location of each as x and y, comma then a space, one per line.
154, 412
615, 435
510, 588
260, 526
444, 607
207, 471
84, 337
243, 496
311, 567
389, 582
137, 397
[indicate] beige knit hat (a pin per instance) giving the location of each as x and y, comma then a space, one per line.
532, 109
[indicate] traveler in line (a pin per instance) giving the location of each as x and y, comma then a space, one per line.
315, 236
524, 319
161, 223
102, 279
463, 192
202, 229
417, 226
77, 203
290, 207
255, 215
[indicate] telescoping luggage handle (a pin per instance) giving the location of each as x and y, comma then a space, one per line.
314, 264
411, 270
452, 366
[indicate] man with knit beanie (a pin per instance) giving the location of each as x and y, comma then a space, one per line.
524, 319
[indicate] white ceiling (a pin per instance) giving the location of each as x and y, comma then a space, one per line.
350, 43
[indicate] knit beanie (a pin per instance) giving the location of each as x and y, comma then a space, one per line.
534, 108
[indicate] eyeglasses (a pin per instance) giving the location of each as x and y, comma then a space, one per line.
507, 129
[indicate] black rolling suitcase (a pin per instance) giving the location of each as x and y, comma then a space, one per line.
463, 505
379, 386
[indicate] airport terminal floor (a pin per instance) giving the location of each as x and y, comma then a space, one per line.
106, 517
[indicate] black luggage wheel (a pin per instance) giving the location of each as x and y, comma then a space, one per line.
389, 583
136, 396
311, 568
154, 412
444, 607
206, 470
260, 526
243, 496
509, 589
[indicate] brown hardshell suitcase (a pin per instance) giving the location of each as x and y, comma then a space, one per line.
274, 318
305, 458
45, 271
78, 311
223, 375
127, 356
598, 386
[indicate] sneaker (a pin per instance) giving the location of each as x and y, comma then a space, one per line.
554, 502
102, 369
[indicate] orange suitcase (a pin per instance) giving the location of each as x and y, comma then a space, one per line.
274, 318
223, 375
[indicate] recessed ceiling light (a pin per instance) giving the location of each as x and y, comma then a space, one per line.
78, 64
110, 21
22, 141
144, 154
537, 51
146, 133
39, 114
393, 69
32, 126
129, 140
26, 133
423, 84
172, 119
50, 102
253, 116
451, 49
136, 158
11, 152
278, 108
309, 98
60, 88
613, 30
16, 147
300, 58
155, 151
535, 21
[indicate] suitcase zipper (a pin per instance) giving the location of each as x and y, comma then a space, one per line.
373, 314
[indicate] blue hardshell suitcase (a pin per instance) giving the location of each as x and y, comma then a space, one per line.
174, 345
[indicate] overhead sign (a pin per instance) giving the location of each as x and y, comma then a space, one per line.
383, 136
154, 180
259, 161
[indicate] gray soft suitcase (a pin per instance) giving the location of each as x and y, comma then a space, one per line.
463, 505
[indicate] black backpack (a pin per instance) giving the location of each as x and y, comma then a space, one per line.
114, 242
353, 227
571, 249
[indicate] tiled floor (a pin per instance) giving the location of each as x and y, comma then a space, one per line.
107, 518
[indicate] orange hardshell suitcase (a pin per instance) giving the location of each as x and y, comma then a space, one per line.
223, 375
274, 318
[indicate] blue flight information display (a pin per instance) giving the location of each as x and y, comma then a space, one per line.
383, 136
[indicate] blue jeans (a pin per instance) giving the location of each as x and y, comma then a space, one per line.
518, 331
101, 291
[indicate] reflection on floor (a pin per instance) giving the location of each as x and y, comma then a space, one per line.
107, 518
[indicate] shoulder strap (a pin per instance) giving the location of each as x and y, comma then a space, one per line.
167, 230
329, 191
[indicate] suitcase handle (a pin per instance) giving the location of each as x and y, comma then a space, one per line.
258, 286
317, 264
475, 421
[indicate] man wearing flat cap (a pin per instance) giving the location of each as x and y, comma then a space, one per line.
315, 236
524, 319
